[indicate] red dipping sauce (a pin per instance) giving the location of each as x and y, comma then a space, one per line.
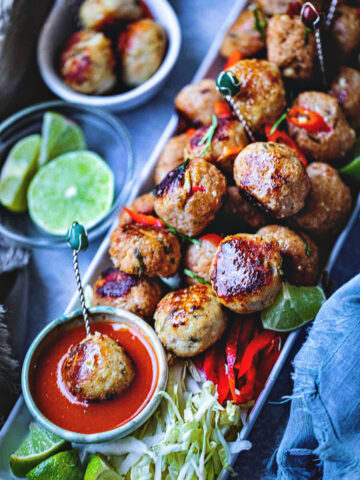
54, 400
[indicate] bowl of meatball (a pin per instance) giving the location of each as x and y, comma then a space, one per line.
109, 53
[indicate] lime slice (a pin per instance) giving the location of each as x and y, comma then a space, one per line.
17, 172
352, 170
37, 447
62, 466
76, 186
59, 135
100, 469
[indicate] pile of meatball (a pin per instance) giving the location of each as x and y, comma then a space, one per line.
260, 215
120, 47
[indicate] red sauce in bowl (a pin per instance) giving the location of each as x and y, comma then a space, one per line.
54, 400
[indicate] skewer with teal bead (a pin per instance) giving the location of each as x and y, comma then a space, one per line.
77, 240
229, 86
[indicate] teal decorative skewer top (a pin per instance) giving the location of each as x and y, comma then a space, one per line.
77, 240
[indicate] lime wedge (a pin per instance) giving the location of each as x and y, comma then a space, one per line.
352, 170
17, 172
75, 186
100, 469
62, 466
59, 135
37, 447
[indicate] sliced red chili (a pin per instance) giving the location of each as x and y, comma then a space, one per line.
234, 58
197, 188
213, 238
190, 132
307, 119
144, 219
222, 109
279, 136
257, 344
231, 353
214, 369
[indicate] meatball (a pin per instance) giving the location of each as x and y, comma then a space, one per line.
228, 140
189, 321
95, 14
145, 250
195, 102
198, 258
189, 196
272, 175
242, 36
328, 205
245, 272
290, 46
261, 98
346, 29
346, 89
299, 253
171, 157
272, 7
138, 295
97, 369
142, 48
327, 146
143, 204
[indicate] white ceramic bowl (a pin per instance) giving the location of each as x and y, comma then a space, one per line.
59, 26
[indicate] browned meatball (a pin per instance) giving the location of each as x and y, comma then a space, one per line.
228, 141
195, 102
189, 321
328, 206
171, 157
272, 175
261, 98
145, 250
271, 7
327, 146
300, 254
138, 295
242, 36
198, 258
97, 369
290, 46
189, 196
346, 89
87, 63
346, 28
95, 14
245, 272
143, 204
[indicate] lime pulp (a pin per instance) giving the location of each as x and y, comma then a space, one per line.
100, 469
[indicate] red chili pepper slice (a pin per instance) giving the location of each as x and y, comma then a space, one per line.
268, 359
144, 219
231, 352
222, 109
212, 238
234, 58
307, 119
190, 132
197, 188
214, 369
279, 136
257, 344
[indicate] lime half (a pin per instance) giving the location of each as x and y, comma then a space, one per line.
62, 466
100, 469
37, 447
77, 186
17, 172
59, 135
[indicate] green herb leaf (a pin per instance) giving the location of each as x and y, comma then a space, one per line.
279, 121
260, 22
352, 170
209, 135
193, 275
307, 246
181, 235
307, 32
293, 308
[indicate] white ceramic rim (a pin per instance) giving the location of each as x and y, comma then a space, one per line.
58, 86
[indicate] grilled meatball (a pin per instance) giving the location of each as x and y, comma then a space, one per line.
189, 196
97, 369
327, 146
299, 253
328, 206
171, 157
138, 295
87, 63
198, 258
228, 140
272, 175
143, 204
290, 46
245, 272
95, 14
346, 29
242, 36
261, 98
189, 321
145, 250
195, 102
272, 7
346, 89
142, 48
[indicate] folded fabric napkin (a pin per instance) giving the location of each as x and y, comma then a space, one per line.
322, 438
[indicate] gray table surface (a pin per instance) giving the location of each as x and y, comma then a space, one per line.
52, 281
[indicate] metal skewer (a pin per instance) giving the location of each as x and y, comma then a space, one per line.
331, 13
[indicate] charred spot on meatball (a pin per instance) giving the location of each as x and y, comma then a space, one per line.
171, 157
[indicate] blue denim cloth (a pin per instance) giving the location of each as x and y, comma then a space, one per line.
322, 438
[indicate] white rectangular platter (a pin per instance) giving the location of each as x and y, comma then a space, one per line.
16, 426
